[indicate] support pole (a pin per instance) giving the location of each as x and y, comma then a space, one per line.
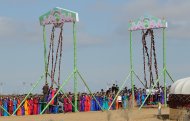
60, 88
4, 110
139, 79
151, 90
70, 101
90, 91
164, 66
119, 91
45, 52
34, 86
170, 76
75, 65
131, 63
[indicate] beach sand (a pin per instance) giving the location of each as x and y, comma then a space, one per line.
145, 114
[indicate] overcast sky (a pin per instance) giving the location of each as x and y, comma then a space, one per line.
102, 37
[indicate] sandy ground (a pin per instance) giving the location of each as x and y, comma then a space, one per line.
149, 114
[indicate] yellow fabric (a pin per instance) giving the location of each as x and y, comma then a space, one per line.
26, 107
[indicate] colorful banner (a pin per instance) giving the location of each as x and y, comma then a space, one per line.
57, 16
147, 22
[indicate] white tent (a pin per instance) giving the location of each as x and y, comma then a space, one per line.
179, 99
181, 86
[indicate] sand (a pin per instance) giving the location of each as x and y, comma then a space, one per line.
149, 114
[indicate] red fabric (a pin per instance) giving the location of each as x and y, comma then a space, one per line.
31, 106
87, 103
65, 104
52, 95
10, 106
35, 111
69, 104
1, 109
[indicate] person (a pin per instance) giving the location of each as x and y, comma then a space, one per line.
10, 105
162, 95
106, 102
124, 100
125, 90
96, 102
60, 103
22, 110
1, 103
153, 96
87, 103
39, 105
14, 105
73, 102
100, 101
51, 95
35, 111
79, 102
69, 102
45, 92
26, 107
119, 101
56, 107
113, 89
114, 103
110, 101
83, 102
5, 106
139, 97
19, 111
102, 91
65, 104
143, 97
117, 89
31, 106
92, 103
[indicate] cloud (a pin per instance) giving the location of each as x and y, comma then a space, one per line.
175, 12
31, 32
14, 30
7, 27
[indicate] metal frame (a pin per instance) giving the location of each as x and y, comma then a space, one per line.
139, 25
74, 73
164, 71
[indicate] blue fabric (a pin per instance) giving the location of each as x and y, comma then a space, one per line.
55, 109
143, 98
83, 103
105, 103
162, 95
14, 105
96, 104
92, 105
23, 110
5, 106
124, 100
138, 99
101, 102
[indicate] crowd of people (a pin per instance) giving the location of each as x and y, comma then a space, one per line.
63, 103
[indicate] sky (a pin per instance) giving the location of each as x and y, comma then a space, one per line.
102, 41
